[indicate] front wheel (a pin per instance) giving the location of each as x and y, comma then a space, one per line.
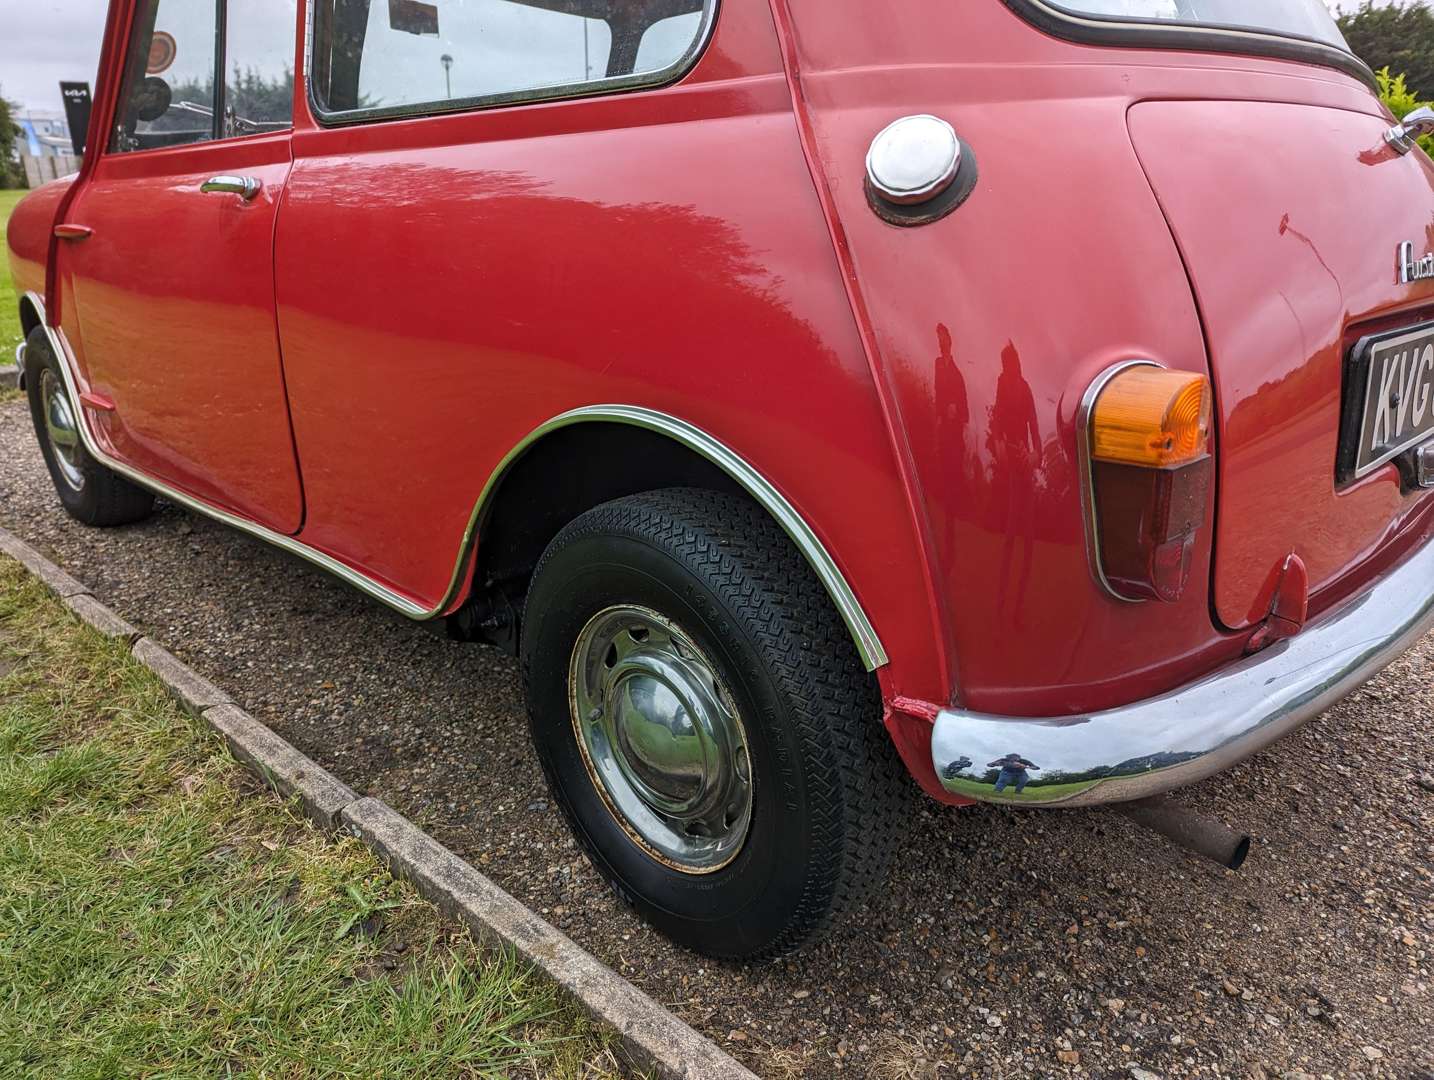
89, 492
705, 723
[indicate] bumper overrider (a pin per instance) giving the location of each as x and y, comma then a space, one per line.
1165, 742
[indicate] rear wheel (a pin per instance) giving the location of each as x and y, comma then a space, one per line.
89, 491
705, 723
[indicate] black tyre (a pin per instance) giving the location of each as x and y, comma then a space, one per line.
706, 724
89, 491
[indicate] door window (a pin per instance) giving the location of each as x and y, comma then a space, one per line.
397, 57
259, 65
170, 96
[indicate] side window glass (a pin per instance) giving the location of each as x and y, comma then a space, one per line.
405, 56
666, 41
259, 66
167, 96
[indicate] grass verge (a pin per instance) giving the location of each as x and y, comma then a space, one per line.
161, 914
9, 302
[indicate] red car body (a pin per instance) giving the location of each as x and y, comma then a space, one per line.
352, 361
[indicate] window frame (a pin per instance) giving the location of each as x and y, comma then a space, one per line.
1125, 31
220, 120
134, 65
648, 80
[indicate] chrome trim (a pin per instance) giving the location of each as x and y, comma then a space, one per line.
1403, 135
563, 91
897, 163
20, 366
661, 738
1087, 475
246, 187
1411, 269
1187, 734
1424, 465
868, 644
1120, 31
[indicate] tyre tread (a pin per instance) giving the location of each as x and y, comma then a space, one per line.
857, 786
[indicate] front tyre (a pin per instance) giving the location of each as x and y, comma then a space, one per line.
705, 723
90, 492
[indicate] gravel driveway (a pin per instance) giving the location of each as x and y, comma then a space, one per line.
1008, 944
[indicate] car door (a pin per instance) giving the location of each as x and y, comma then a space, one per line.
168, 256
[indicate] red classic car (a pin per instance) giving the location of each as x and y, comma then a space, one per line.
1031, 396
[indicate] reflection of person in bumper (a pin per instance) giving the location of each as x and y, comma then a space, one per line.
1013, 772
953, 770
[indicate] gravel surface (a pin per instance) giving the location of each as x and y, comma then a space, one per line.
1008, 944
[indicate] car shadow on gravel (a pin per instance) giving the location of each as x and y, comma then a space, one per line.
1008, 942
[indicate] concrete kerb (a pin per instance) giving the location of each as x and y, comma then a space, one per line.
652, 1038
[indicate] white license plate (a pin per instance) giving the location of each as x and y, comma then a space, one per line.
1389, 399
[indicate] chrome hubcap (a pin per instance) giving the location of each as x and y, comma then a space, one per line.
62, 430
661, 738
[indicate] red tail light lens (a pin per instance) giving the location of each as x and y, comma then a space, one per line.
1149, 474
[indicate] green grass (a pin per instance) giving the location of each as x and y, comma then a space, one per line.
162, 915
9, 303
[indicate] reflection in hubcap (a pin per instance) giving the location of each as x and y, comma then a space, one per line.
63, 431
661, 737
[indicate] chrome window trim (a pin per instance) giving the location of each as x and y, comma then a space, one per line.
1087, 475
1133, 32
864, 635
646, 80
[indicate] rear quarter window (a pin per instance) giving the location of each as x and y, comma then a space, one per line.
374, 58
1301, 18
1301, 30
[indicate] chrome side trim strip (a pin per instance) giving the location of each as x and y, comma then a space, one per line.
287, 543
1087, 476
1187, 734
864, 635
868, 644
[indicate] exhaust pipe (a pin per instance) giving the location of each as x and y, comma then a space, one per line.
1194, 832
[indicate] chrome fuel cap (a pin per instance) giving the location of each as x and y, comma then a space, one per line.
913, 160
918, 170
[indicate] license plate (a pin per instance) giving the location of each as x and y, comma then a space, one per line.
1389, 399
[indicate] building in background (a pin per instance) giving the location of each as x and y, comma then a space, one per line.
43, 132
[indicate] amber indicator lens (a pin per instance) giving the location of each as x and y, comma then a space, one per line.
1153, 417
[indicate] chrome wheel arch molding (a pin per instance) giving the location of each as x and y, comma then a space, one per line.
864, 635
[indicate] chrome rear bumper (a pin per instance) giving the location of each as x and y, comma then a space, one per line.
1186, 735
20, 365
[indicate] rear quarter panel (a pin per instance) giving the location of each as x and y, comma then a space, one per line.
448, 284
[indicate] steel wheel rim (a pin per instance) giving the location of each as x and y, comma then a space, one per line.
661, 738
62, 430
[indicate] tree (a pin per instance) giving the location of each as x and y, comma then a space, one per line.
9, 134
1402, 101
1391, 35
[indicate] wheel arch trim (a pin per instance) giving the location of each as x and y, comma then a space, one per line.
864, 635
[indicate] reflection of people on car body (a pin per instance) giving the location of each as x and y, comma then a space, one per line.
1013, 771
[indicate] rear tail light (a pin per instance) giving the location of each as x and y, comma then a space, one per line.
1146, 435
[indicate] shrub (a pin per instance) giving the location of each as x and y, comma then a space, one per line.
1395, 92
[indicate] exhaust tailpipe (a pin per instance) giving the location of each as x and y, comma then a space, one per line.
1194, 832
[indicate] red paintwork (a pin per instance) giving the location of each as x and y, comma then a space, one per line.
1277, 351
441, 286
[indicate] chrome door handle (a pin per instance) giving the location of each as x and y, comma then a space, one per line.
246, 187
1402, 135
